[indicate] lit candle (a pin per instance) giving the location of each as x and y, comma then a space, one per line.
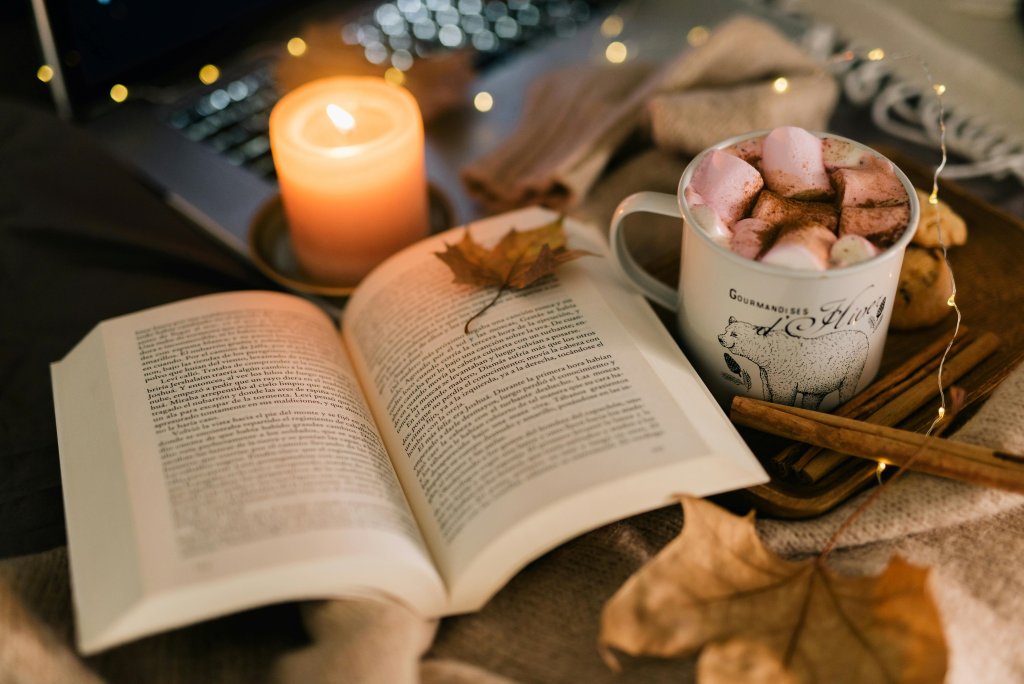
349, 158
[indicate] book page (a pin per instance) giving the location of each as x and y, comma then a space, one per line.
549, 400
250, 452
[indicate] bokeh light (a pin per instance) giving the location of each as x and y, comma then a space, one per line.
209, 74
296, 47
394, 76
118, 93
611, 26
616, 53
45, 73
483, 101
697, 36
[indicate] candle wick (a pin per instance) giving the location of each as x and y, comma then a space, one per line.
341, 119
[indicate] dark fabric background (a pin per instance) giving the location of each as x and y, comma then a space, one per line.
81, 240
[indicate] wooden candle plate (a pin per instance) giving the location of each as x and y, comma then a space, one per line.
990, 292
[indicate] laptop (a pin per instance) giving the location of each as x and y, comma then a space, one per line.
182, 90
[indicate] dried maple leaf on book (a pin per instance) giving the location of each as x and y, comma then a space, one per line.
760, 618
519, 259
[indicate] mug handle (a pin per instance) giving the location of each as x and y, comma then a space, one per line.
656, 203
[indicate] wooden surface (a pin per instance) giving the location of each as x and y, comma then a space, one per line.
989, 272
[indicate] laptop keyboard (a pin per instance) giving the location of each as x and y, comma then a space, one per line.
234, 120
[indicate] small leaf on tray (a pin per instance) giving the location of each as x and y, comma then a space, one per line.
519, 259
760, 618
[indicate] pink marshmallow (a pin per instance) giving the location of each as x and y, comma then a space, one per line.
751, 237
852, 249
881, 225
801, 246
839, 154
727, 184
779, 211
793, 165
747, 150
875, 185
706, 217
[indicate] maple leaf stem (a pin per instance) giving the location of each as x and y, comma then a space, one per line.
478, 314
504, 286
957, 395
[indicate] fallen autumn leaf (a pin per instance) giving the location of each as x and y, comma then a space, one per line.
519, 259
760, 618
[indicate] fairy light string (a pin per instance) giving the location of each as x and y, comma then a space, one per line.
933, 199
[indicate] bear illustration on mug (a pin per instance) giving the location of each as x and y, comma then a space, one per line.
813, 367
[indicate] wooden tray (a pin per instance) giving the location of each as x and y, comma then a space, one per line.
990, 292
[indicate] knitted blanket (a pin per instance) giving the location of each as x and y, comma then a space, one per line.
542, 627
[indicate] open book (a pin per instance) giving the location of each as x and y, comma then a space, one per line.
234, 450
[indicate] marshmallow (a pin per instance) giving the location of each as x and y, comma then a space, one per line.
751, 237
793, 165
778, 211
881, 225
839, 154
802, 246
875, 185
707, 218
727, 184
853, 249
747, 150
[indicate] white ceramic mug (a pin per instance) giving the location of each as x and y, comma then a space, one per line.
805, 338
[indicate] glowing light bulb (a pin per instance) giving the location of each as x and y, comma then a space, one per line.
780, 85
939, 88
209, 74
952, 300
341, 119
881, 468
876, 54
118, 93
611, 26
45, 73
934, 197
942, 412
483, 101
616, 53
296, 47
394, 76
697, 36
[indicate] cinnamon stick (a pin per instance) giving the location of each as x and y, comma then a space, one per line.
938, 456
870, 407
908, 402
795, 456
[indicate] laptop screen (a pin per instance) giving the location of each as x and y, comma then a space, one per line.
98, 43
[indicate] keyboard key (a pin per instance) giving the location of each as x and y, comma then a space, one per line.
255, 147
262, 166
229, 138
238, 90
180, 119
258, 123
200, 131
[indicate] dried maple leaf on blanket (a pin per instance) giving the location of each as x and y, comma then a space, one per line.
518, 260
756, 617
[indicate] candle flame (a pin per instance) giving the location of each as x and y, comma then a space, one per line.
341, 119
